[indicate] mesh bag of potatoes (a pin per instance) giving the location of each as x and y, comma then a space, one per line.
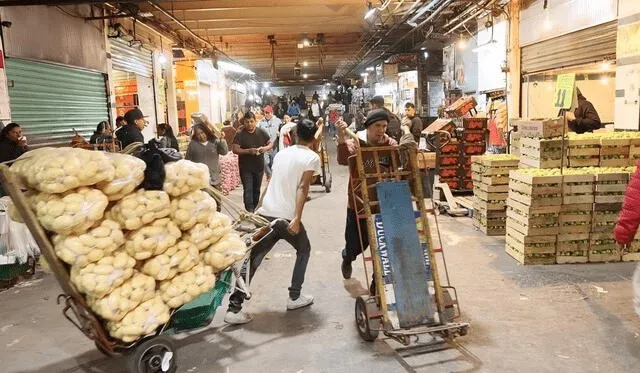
153, 239
128, 174
192, 208
80, 250
102, 277
125, 298
204, 234
58, 170
230, 249
187, 286
71, 212
185, 176
179, 258
143, 320
140, 208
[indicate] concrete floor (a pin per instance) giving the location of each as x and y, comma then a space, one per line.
563, 318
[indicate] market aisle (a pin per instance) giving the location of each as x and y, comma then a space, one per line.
524, 319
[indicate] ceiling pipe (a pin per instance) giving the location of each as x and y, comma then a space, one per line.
474, 15
462, 14
174, 19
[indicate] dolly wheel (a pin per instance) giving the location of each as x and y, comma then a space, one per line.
327, 184
155, 355
367, 328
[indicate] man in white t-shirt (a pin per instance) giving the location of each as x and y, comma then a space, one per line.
293, 170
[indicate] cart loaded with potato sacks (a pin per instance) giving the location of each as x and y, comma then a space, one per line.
135, 265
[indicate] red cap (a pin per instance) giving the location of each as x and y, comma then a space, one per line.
268, 109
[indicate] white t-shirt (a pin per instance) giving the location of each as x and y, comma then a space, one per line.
288, 166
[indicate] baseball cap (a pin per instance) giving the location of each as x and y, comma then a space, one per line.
268, 109
133, 114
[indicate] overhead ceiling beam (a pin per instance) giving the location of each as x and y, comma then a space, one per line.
203, 5
57, 2
268, 13
240, 30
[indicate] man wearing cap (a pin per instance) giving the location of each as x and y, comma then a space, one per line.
131, 132
374, 134
271, 124
394, 127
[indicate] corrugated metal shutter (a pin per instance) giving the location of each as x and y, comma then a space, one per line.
577, 48
49, 100
135, 60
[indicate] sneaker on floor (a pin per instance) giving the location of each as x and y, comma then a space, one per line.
302, 301
237, 318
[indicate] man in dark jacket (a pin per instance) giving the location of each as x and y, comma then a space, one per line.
585, 118
393, 129
131, 132
415, 123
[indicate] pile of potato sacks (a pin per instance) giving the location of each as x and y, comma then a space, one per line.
135, 254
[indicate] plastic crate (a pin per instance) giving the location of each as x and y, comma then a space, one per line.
200, 311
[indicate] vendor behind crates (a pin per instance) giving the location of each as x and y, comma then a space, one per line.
585, 118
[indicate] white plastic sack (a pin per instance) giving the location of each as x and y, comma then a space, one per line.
129, 174
185, 176
140, 208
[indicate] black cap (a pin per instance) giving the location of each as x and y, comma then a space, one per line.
132, 115
376, 115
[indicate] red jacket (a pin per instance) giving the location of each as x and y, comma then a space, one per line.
629, 218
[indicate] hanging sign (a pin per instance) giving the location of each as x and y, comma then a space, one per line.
565, 86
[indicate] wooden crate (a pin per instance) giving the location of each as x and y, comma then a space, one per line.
504, 188
602, 248
535, 191
492, 214
577, 189
490, 226
604, 221
614, 152
610, 188
530, 249
532, 221
540, 153
572, 248
488, 196
495, 163
575, 218
634, 153
495, 180
488, 206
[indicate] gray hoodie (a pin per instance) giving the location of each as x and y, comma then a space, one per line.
208, 154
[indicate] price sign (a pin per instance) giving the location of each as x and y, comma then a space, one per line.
565, 85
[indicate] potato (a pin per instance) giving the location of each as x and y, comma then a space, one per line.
191, 208
125, 298
129, 173
185, 176
187, 286
179, 258
204, 234
153, 239
102, 277
72, 212
59, 170
141, 208
80, 250
227, 251
143, 320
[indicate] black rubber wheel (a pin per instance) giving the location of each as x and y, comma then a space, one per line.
148, 357
327, 184
367, 328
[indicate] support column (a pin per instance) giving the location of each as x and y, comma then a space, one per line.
514, 83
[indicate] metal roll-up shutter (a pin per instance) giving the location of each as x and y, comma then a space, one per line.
124, 57
49, 101
582, 47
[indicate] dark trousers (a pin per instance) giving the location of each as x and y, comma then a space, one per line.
251, 183
300, 243
352, 244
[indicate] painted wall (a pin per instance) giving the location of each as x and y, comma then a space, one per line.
627, 101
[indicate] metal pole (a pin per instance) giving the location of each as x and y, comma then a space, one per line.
474, 15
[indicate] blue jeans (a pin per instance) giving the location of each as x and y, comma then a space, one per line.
268, 162
251, 183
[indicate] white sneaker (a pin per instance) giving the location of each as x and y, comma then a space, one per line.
237, 318
302, 301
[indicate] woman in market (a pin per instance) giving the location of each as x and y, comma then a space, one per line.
12, 143
102, 133
250, 145
165, 137
206, 148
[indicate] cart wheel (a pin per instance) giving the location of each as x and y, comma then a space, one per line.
367, 328
155, 355
327, 184
449, 312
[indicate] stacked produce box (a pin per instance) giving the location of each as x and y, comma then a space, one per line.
454, 159
490, 189
135, 254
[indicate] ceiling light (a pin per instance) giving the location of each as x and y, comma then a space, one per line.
234, 67
305, 76
371, 68
162, 59
305, 64
265, 84
605, 65
462, 44
423, 48
328, 84
370, 12
426, 55
604, 81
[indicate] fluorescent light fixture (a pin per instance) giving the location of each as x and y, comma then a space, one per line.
328, 84
234, 67
423, 48
412, 21
371, 68
305, 64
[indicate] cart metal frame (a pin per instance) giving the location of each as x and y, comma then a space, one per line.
372, 312
80, 314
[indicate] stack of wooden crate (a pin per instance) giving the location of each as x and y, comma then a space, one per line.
533, 205
575, 218
490, 189
634, 151
614, 152
583, 152
540, 152
609, 195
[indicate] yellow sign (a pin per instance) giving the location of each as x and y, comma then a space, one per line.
628, 44
565, 86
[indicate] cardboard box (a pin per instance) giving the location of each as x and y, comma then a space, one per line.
539, 127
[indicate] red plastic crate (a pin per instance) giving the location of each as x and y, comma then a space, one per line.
448, 172
453, 183
451, 148
474, 123
443, 161
476, 137
474, 149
